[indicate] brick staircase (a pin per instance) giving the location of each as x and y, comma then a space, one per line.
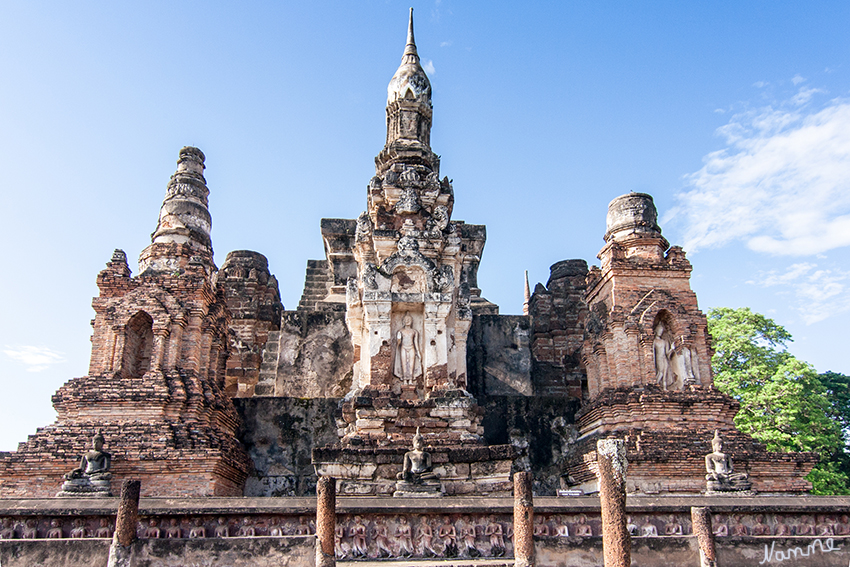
316, 285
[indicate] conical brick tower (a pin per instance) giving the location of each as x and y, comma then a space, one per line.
156, 376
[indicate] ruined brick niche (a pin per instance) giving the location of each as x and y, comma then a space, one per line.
138, 345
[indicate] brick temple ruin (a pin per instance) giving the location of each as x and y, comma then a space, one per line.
203, 385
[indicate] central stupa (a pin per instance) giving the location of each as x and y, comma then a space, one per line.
409, 303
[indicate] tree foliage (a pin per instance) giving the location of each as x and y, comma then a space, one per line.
785, 403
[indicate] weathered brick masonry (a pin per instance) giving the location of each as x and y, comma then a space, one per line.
155, 386
392, 334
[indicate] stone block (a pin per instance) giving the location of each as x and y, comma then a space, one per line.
460, 488
488, 468
347, 471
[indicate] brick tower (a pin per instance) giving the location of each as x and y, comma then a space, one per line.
155, 386
647, 355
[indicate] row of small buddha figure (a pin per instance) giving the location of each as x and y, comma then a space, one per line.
819, 525
150, 528
247, 527
399, 537
557, 527
29, 529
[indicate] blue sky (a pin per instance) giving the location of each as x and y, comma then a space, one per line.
734, 115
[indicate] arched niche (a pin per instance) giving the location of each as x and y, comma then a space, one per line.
675, 360
138, 345
664, 352
414, 315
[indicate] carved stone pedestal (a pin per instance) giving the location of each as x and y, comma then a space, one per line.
85, 488
413, 490
739, 488
409, 393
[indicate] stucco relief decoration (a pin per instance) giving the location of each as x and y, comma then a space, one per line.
352, 293
408, 360
370, 273
409, 280
408, 203
364, 228
391, 177
676, 365
440, 217
663, 352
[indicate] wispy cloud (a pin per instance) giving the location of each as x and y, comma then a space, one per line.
446, 43
35, 358
818, 293
797, 79
781, 184
805, 95
429, 67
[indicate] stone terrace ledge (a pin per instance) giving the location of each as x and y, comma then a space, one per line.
349, 505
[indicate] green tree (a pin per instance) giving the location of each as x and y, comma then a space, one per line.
785, 404
838, 390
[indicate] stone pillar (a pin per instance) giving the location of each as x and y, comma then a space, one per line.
118, 349
160, 341
113, 346
175, 346
523, 520
701, 519
611, 464
325, 521
125, 524
461, 340
206, 350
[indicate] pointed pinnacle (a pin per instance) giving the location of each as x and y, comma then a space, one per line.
527, 298
410, 46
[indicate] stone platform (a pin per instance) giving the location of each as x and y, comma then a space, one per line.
668, 434
750, 524
429, 489
480, 469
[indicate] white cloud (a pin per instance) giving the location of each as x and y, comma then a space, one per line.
446, 43
818, 293
429, 67
797, 79
805, 95
781, 184
760, 84
34, 358
792, 274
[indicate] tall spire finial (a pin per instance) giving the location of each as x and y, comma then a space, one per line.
410, 46
184, 218
408, 111
527, 298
